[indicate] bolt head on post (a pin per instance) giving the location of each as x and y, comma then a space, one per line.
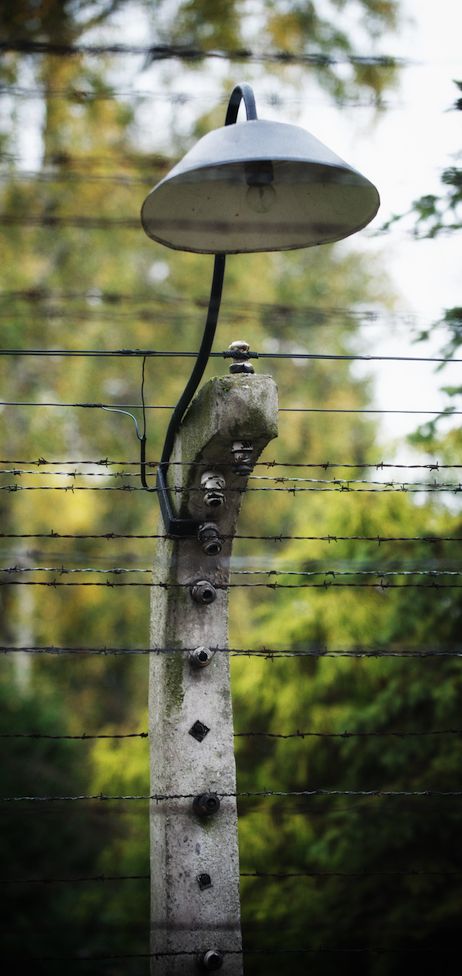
200, 657
210, 961
203, 592
209, 538
206, 804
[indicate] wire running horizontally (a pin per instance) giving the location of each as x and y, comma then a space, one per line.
263, 653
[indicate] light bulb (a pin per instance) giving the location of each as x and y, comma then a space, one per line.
261, 198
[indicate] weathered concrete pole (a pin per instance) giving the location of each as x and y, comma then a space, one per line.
194, 849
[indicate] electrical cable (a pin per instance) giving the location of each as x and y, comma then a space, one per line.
175, 354
445, 412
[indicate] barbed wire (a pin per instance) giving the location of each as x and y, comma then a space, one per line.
284, 875
379, 584
277, 479
101, 296
325, 465
239, 795
345, 489
269, 951
186, 354
304, 573
397, 488
162, 52
264, 653
260, 875
83, 736
180, 98
346, 734
109, 536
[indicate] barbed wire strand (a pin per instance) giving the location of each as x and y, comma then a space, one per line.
260, 875
35, 295
380, 584
331, 573
264, 653
162, 52
278, 479
269, 951
241, 794
413, 488
325, 465
180, 98
346, 734
109, 536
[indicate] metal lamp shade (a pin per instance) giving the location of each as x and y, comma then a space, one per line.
258, 186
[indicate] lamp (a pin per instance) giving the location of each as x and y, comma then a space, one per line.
246, 187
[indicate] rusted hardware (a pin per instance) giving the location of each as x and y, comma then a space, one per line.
200, 657
242, 457
206, 804
209, 538
213, 486
240, 352
211, 960
203, 592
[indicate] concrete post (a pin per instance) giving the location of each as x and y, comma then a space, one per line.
194, 852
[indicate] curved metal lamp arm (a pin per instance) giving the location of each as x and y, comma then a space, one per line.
173, 525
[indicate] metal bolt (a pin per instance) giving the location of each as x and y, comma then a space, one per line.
204, 881
213, 486
211, 960
242, 457
209, 538
203, 592
206, 804
240, 352
200, 657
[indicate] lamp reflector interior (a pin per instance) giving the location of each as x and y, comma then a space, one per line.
258, 186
